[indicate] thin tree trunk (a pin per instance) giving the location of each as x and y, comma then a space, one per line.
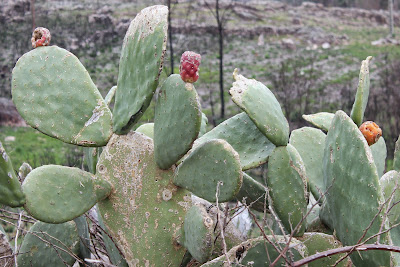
221, 59
171, 49
391, 33
33, 14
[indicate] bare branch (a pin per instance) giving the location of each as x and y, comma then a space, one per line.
347, 249
223, 243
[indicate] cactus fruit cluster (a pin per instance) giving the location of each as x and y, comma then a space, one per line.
162, 191
189, 68
40, 37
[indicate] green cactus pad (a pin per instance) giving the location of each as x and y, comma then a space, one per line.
146, 129
91, 155
41, 245
322, 120
379, 152
396, 158
390, 182
23, 171
262, 107
288, 187
84, 237
254, 193
6, 252
199, 233
110, 95
113, 253
354, 195
319, 242
145, 211
242, 134
54, 93
177, 121
203, 126
140, 66
310, 144
56, 194
258, 252
360, 103
10, 188
314, 213
212, 162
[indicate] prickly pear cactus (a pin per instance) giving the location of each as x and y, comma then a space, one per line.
140, 66
144, 181
243, 135
10, 189
262, 107
177, 121
355, 195
66, 193
321, 120
288, 188
145, 206
50, 245
310, 144
54, 93
360, 103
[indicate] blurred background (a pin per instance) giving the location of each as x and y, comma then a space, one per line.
308, 53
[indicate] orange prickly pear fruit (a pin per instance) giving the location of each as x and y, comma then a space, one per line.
40, 37
371, 132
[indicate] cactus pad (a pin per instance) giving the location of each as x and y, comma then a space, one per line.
23, 171
322, 120
396, 157
113, 253
177, 121
140, 66
10, 189
208, 164
379, 152
254, 193
360, 103
37, 249
258, 252
84, 237
319, 242
110, 95
56, 194
199, 233
310, 144
203, 126
242, 134
262, 107
391, 182
288, 187
146, 129
354, 195
145, 211
54, 93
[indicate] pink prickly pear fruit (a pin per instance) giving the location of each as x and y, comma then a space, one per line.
40, 37
189, 68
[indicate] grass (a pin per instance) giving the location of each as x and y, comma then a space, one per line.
38, 149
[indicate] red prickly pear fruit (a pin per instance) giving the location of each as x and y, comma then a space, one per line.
189, 68
40, 37
371, 132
